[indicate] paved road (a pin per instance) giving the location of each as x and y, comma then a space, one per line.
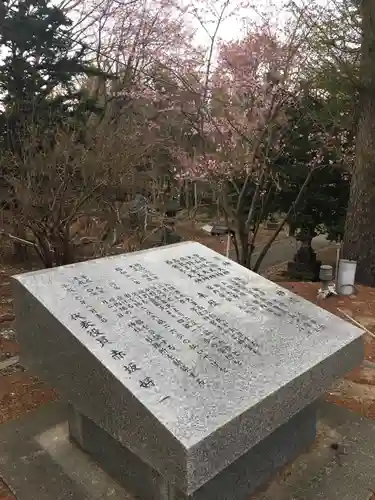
284, 250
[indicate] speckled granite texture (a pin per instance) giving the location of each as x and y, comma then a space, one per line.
236, 482
183, 356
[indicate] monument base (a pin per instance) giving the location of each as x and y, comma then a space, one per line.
236, 482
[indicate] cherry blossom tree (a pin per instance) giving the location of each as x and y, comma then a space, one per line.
252, 86
220, 113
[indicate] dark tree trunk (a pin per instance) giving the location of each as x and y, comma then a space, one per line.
242, 246
359, 239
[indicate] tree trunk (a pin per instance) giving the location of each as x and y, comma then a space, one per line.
359, 239
242, 246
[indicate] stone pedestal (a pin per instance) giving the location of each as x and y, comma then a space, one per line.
236, 482
185, 358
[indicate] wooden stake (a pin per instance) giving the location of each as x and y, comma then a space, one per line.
356, 323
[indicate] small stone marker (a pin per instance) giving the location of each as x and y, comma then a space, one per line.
184, 357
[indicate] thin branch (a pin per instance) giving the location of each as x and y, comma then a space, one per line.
293, 206
16, 238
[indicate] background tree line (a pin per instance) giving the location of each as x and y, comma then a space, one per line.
109, 106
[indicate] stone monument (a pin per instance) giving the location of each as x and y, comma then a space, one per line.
305, 265
188, 376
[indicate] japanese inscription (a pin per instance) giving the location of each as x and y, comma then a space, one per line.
254, 299
203, 270
91, 329
198, 268
174, 323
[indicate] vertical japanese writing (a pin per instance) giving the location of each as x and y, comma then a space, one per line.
90, 328
198, 268
116, 354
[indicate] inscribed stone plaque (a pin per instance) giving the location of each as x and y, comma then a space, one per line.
181, 354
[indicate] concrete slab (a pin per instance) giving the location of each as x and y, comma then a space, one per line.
327, 473
39, 463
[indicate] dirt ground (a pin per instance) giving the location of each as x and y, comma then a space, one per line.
357, 390
20, 392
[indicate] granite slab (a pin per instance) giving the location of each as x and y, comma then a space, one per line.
182, 355
237, 482
38, 461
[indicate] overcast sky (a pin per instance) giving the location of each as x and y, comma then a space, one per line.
236, 19
235, 25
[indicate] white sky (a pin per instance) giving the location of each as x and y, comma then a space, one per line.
235, 25
236, 20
